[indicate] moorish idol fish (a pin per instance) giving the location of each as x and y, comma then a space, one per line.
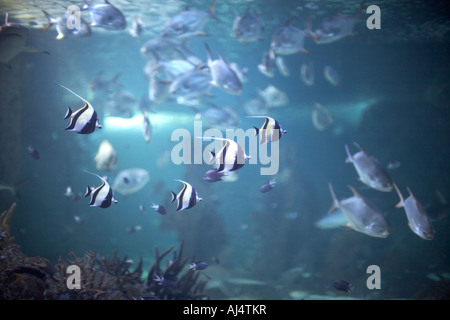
187, 197
230, 158
271, 130
101, 196
84, 120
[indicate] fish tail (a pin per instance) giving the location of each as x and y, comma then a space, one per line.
68, 113
174, 196
88, 191
256, 131
335, 204
211, 11
400, 204
51, 21
208, 52
349, 155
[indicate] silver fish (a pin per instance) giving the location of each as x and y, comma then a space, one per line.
369, 170
273, 96
281, 66
130, 181
268, 64
221, 118
418, 220
147, 128
105, 15
321, 117
106, 157
307, 73
213, 175
163, 47
102, 196
187, 197
338, 27
223, 76
13, 41
104, 84
137, 28
191, 84
332, 76
334, 219
188, 23
361, 214
288, 40
158, 90
247, 28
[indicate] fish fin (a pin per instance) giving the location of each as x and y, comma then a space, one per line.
174, 196
208, 52
356, 193
440, 198
116, 81
256, 131
304, 51
88, 191
335, 204
68, 113
347, 226
211, 11
400, 204
60, 36
349, 155
35, 50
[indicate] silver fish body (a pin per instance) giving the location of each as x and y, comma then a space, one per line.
190, 84
188, 23
370, 170
247, 28
105, 15
288, 40
418, 219
361, 214
130, 181
223, 76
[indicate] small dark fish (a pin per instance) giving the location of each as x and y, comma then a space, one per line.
78, 219
33, 152
134, 229
343, 285
159, 208
105, 15
216, 260
142, 208
187, 197
200, 265
268, 186
213, 175
167, 283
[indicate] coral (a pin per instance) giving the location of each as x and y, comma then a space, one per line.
23, 277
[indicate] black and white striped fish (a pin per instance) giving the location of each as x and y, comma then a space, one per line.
187, 197
230, 158
84, 120
271, 130
102, 196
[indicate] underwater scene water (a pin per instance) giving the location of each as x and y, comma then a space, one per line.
107, 161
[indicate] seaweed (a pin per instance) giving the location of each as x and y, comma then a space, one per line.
23, 277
